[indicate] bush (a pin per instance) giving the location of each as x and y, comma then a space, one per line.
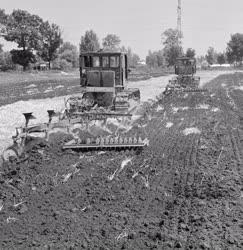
70, 56
6, 62
62, 64
23, 57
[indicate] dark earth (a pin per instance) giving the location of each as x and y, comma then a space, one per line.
183, 191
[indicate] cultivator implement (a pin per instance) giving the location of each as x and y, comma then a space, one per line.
70, 126
101, 116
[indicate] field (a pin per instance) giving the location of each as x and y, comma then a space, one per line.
16, 86
38, 97
183, 191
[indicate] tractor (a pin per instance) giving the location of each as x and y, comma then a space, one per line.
100, 116
103, 80
185, 81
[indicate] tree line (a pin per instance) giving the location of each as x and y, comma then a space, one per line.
172, 49
41, 41
171, 40
38, 40
112, 42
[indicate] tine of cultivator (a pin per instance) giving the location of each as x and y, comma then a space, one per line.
107, 143
28, 117
51, 113
195, 90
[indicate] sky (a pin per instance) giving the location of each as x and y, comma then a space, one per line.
140, 23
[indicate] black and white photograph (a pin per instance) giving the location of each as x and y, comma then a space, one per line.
121, 125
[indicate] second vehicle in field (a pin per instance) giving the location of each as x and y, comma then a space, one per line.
185, 81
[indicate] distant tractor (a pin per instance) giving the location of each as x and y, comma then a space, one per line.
185, 81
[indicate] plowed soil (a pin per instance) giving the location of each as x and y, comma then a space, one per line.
183, 191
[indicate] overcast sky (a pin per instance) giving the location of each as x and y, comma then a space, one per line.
139, 23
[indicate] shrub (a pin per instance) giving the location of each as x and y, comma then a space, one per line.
61, 64
6, 62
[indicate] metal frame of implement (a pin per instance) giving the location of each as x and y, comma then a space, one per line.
102, 146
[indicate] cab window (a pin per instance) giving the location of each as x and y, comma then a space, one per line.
114, 61
87, 61
96, 61
105, 61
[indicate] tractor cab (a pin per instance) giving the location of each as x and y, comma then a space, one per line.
103, 77
185, 66
103, 71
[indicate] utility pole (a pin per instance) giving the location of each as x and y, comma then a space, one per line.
179, 20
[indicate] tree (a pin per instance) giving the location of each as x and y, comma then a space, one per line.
160, 58
201, 59
67, 57
132, 58
172, 47
190, 53
3, 16
51, 41
111, 42
22, 57
3, 19
171, 54
24, 29
69, 52
89, 42
61, 64
221, 58
235, 49
6, 62
211, 56
202, 62
171, 37
155, 59
149, 60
